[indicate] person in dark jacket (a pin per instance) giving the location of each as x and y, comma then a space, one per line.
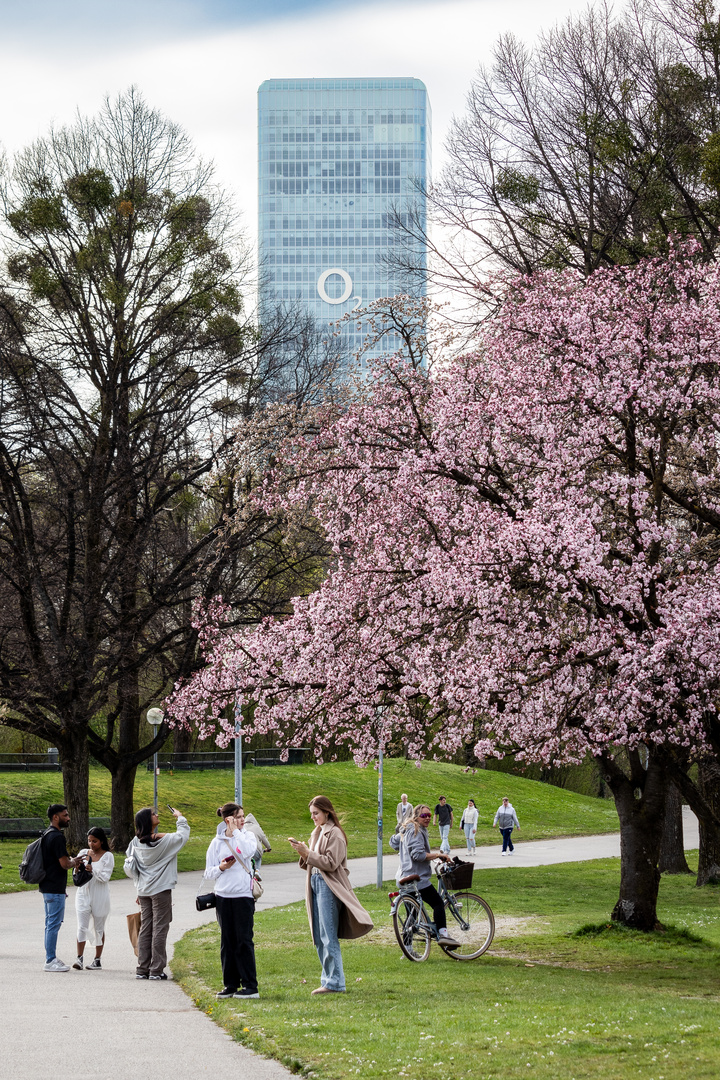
53, 886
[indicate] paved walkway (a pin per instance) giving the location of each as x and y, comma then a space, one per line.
102, 1025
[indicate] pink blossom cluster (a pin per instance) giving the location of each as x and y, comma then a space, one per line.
524, 544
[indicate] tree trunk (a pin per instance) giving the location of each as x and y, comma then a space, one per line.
640, 803
672, 847
122, 813
182, 740
709, 858
75, 762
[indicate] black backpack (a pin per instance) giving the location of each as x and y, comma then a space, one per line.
32, 867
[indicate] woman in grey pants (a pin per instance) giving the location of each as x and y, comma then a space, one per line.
151, 862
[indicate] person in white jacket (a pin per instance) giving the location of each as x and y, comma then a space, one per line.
151, 862
92, 900
228, 863
469, 825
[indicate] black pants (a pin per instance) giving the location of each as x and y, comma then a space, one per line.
432, 897
235, 915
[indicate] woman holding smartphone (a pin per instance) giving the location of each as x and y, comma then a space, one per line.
92, 900
151, 861
228, 863
333, 909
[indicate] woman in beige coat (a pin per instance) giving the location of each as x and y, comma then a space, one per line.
333, 909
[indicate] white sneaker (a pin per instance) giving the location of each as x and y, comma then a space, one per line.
503, 852
56, 965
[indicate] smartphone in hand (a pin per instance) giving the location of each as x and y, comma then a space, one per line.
170, 808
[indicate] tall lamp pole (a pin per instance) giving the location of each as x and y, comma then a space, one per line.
380, 802
238, 753
380, 820
155, 719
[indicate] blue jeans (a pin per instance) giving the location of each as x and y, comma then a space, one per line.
326, 918
470, 838
444, 842
507, 841
54, 915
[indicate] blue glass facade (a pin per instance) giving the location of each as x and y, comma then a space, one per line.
337, 158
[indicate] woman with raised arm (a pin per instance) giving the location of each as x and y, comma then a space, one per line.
151, 862
228, 863
333, 909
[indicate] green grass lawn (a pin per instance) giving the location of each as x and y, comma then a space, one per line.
278, 796
550, 999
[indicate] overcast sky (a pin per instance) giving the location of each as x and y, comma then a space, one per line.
201, 61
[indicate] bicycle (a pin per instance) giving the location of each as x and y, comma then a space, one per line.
475, 922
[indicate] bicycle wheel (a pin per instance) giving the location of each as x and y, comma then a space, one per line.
471, 922
411, 929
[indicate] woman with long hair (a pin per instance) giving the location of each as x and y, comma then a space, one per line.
469, 825
413, 845
92, 900
228, 863
151, 862
333, 909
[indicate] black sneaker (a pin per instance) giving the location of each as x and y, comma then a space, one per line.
246, 994
139, 976
157, 978
225, 993
95, 966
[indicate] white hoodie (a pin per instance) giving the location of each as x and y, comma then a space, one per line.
235, 881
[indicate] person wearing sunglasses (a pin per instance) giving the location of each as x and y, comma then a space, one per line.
413, 845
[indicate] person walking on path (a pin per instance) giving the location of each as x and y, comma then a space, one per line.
333, 909
151, 862
53, 887
92, 900
403, 811
263, 844
228, 863
506, 820
413, 845
469, 825
444, 818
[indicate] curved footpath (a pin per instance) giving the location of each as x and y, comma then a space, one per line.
106, 1024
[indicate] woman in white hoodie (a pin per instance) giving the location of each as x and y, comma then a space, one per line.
151, 861
228, 863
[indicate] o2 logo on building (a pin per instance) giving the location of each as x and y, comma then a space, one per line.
346, 293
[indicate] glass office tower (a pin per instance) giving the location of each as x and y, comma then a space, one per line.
338, 159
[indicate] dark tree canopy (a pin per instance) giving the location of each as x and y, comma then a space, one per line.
127, 367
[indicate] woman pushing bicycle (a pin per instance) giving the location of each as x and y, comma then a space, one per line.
413, 846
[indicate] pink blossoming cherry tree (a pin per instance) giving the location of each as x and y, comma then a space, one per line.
525, 546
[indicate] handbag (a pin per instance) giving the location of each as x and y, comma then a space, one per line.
256, 888
205, 901
133, 925
81, 875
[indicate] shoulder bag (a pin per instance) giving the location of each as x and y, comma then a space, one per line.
257, 889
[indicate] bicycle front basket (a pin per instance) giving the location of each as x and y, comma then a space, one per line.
459, 875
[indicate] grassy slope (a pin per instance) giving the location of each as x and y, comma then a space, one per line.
278, 796
545, 1002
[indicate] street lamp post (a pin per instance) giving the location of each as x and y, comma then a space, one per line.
238, 754
380, 820
155, 718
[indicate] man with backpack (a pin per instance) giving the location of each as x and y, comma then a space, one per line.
53, 886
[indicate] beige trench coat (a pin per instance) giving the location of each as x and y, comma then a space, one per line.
329, 855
